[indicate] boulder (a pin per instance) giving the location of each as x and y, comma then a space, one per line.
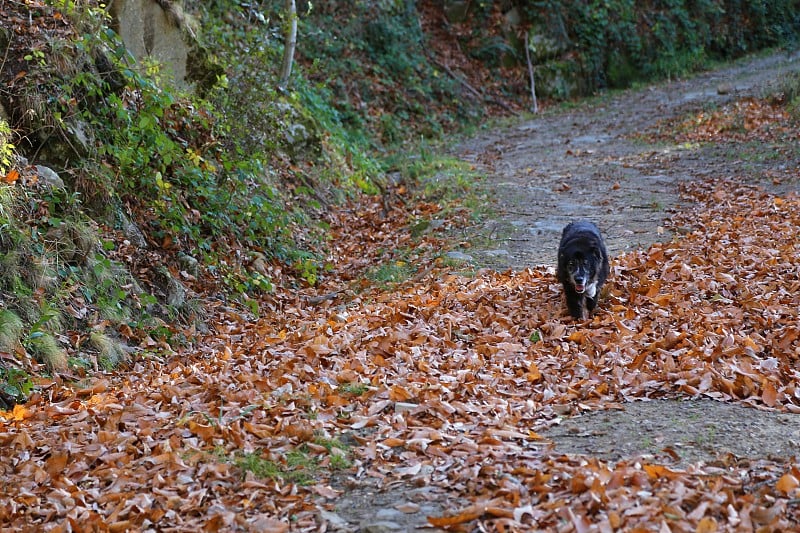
158, 30
49, 177
149, 32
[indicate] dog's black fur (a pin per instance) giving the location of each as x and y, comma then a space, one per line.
582, 266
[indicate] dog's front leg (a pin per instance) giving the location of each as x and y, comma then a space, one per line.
575, 304
591, 303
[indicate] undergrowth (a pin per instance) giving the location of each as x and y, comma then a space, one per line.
239, 172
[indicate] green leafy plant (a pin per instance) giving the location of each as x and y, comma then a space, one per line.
15, 383
6, 147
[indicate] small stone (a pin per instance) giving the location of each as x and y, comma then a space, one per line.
407, 507
189, 264
497, 253
400, 407
388, 515
381, 527
459, 256
49, 177
336, 522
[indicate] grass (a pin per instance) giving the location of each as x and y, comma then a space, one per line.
111, 352
45, 348
299, 466
11, 327
356, 389
390, 273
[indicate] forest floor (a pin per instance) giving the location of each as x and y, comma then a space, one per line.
463, 398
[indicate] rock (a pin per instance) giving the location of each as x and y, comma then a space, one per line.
160, 30
176, 292
301, 135
456, 12
459, 256
80, 137
189, 264
543, 47
388, 514
559, 79
513, 17
436, 223
296, 133
148, 32
4, 114
49, 177
382, 526
497, 253
131, 231
400, 407
335, 522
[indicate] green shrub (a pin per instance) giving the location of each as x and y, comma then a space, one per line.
621, 41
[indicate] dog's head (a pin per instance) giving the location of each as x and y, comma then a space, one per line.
582, 267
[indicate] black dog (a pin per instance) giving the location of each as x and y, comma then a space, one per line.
582, 266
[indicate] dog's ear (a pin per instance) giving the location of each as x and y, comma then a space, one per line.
598, 253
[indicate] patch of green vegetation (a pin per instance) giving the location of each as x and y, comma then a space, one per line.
446, 180
294, 471
110, 351
45, 348
11, 327
15, 384
754, 152
331, 443
6, 147
51, 263
390, 273
298, 466
789, 93
356, 389
369, 64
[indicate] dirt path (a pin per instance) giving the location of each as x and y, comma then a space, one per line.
585, 162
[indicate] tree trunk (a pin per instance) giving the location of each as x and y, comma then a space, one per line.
535, 106
289, 45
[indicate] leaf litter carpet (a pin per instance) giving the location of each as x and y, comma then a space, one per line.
458, 375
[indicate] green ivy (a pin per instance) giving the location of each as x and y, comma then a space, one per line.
621, 41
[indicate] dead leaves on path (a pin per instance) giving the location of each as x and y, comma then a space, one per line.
443, 383
746, 119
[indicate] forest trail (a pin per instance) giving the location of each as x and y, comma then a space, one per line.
594, 161
470, 402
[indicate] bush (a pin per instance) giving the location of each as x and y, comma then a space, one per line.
619, 41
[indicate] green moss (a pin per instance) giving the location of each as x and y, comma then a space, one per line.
10, 330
